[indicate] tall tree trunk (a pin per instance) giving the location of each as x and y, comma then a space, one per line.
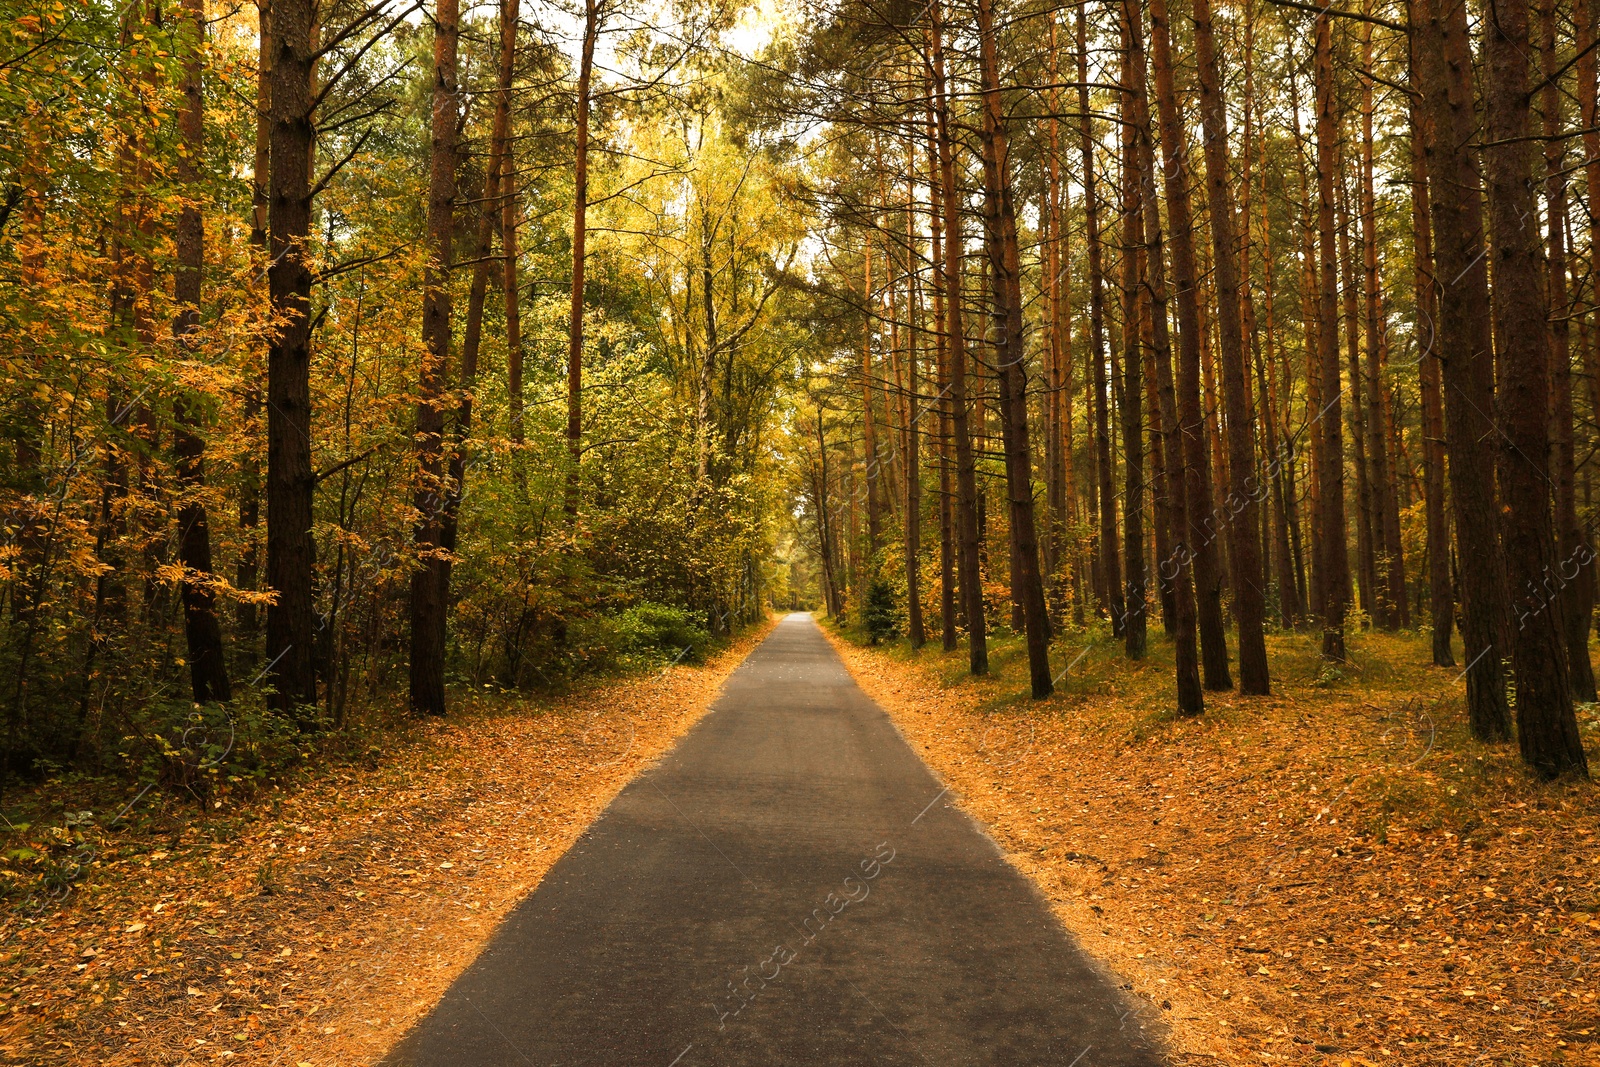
509, 15
1136, 627
1110, 566
1058, 360
291, 550
1392, 611
1584, 17
1310, 315
1574, 551
1547, 728
429, 582
1443, 62
1335, 556
947, 547
968, 561
869, 436
208, 669
248, 566
1242, 516
1192, 423
1441, 603
580, 231
1177, 565
1005, 277
1366, 552
494, 172
1280, 449
913, 413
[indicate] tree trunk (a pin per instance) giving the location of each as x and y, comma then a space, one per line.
1441, 593
247, 567
291, 550
1058, 360
1241, 515
947, 548
1443, 62
1392, 611
1109, 563
1366, 554
208, 670
580, 230
966, 477
1191, 415
1005, 277
1335, 556
1136, 627
1574, 551
913, 413
509, 15
1177, 564
1547, 728
1583, 14
429, 582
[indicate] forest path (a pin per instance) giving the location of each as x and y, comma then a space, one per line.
789, 885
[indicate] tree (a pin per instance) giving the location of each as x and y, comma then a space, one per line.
1198, 510
1547, 728
291, 483
1005, 268
1177, 564
1243, 519
208, 669
1462, 344
1335, 557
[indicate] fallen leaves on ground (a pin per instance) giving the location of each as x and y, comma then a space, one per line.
1334, 874
318, 925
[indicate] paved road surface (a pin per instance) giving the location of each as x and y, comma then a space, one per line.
787, 887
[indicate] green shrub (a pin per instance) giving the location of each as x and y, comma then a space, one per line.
661, 628
882, 613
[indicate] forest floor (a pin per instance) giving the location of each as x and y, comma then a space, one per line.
314, 924
1334, 874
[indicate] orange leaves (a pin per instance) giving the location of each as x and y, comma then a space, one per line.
1288, 874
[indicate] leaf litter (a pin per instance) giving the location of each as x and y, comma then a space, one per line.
319, 924
1334, 874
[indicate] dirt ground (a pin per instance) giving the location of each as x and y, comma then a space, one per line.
315, 925
1334, 874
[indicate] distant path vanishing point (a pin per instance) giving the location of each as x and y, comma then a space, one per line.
790, 885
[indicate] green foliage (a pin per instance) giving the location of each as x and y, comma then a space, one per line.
660, 628
881, 613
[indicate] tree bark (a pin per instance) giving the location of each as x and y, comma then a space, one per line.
1242, 515
1574, 551
291, 550
1136, 627
1109, 562
208, 670
1393, 613
1443, 62
1198, 509
430, 580
1005, 277
1441, 602
1177, 564
580, 229
966, 478
1547, 728
1335, 556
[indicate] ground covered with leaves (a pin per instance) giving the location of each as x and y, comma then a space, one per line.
1333, 874
314, 923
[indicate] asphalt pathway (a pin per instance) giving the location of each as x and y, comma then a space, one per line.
789, 885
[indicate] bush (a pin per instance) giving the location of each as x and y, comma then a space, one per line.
881, 614
661, 628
